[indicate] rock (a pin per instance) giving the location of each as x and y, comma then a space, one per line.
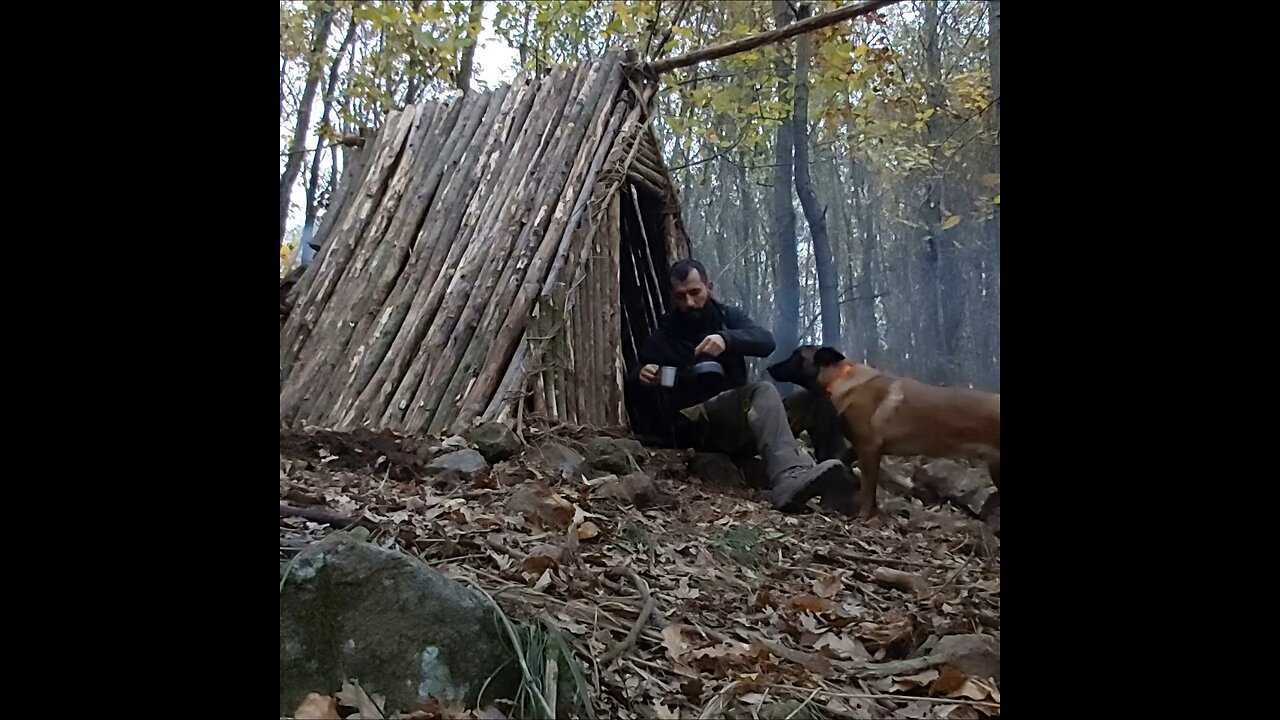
615, 454
349, 609
541, 507
636, 489
716, 468
955, 481
495, 441
468, 464
565, 463
975, 655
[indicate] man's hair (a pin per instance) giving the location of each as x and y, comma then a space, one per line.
680, 270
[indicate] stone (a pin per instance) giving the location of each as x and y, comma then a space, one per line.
563, 462
468, 464
615, 455
495, 441
716, 468
350, 609
634, 489
956, 481
975, 655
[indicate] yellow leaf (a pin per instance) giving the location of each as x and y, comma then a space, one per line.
950, 222
587, 530
995, 200
860, 51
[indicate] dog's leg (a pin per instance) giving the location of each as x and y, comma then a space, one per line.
869, 465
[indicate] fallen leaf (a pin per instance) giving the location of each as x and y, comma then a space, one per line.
684, 592
317, 707
662, 712
827, 586
587, 530
673, 641
692, 689
950, 222
845, 647
811, 603
543, 581
367, 706
910, 682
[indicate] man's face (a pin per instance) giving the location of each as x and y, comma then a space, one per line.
690, 294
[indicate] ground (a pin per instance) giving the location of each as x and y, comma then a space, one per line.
750, 612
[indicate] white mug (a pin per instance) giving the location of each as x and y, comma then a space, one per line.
667, 375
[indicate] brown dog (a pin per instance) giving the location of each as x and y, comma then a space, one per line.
887, 415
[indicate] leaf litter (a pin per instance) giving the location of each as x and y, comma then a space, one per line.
748, 606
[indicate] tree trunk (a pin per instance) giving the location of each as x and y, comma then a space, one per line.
294, 162
469, 53
991, 314
867, 288
313, 181
816, 216
787, 291
750, 291
993, 51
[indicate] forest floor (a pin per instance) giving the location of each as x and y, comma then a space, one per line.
714, 604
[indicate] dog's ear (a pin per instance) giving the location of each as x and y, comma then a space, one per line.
827, 356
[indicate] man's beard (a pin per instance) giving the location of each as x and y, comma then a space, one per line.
696, 315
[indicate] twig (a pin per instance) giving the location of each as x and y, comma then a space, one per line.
643, 588
816, 22
804, 704
949, 579
898, 698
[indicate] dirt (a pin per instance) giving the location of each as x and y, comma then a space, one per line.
750, 606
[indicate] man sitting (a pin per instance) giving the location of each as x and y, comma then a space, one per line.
744, 416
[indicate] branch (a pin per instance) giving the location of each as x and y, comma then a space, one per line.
816, 22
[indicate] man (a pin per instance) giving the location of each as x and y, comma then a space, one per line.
746, 416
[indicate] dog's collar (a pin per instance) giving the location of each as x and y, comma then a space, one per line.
844, 373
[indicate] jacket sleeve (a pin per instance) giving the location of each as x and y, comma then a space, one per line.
656, 350
744, 337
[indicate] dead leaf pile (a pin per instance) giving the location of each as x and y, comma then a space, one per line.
711, 603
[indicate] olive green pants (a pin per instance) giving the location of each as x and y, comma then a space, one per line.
755, 419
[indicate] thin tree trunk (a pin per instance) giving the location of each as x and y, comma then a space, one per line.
313, 181
415, 73
787, 328
750, 291
294, 162
814, 214
469, 53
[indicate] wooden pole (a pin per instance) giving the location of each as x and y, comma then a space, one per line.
816, 22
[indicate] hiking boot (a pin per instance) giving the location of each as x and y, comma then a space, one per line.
829, 479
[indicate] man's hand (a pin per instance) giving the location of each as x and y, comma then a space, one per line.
711, 345
649, 375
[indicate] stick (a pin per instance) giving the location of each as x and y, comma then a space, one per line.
897, 698
643, 588
816, 22
317, 516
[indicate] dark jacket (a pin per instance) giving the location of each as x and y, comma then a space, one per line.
673, 344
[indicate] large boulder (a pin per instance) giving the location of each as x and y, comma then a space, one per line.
563, 462
495, 441
616, 455
466, 464
350, 609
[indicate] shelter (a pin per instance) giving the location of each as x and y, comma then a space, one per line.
498, 256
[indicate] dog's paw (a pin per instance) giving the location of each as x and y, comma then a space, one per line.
876, 519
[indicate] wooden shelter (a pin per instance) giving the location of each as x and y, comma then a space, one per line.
498, 256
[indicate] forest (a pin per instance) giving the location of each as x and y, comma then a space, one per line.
842, 187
